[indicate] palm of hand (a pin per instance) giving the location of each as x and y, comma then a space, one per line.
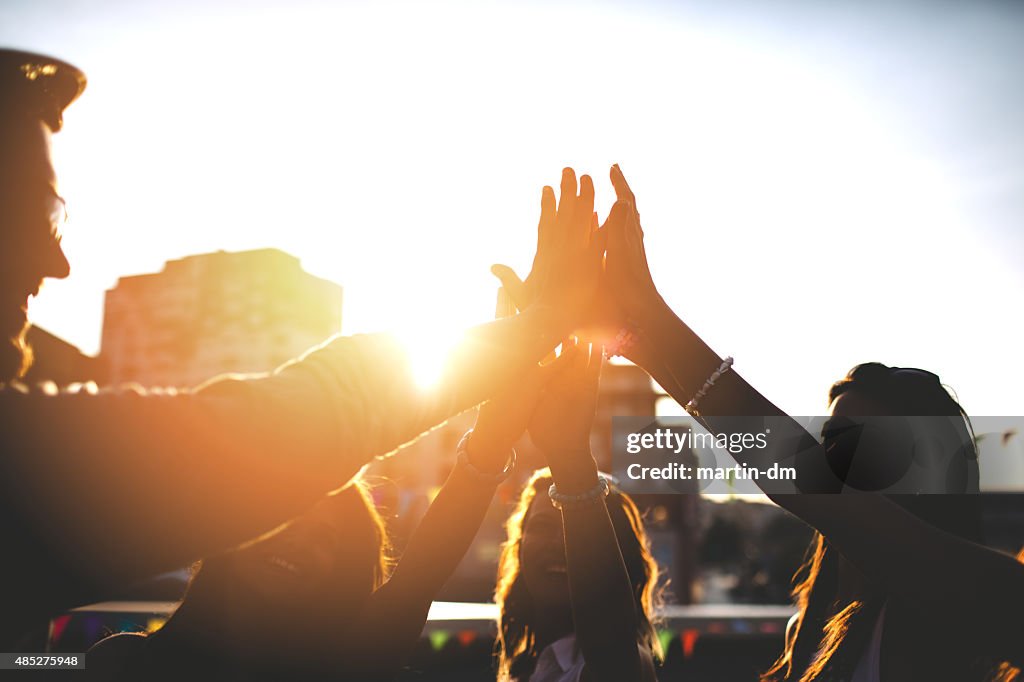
564, 413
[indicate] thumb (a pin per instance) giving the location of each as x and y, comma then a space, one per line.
558, 365
515, 287
539, 376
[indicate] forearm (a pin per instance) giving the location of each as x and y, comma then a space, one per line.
210, 469
443, 536
603, 606
681, 363
376, 405
393, 622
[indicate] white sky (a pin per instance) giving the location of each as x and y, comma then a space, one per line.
821, 184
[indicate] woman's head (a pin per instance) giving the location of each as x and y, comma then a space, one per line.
899, 430
533, 586
897, 391
309, 576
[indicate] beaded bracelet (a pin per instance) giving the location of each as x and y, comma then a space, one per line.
595, 494
622, 342
462, 453
691, 407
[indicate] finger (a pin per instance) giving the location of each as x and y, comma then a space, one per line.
584, 208
622, 189
514, 286
593, 374
569, 348
556, 366
546, 224
546, 241
618, 213
537, 377
567, 195
599, 244
581, 360
504, 306
615, 226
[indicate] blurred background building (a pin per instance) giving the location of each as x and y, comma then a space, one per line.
218, 312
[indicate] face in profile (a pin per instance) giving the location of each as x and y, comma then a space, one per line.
871, 449
33, 215
865, 448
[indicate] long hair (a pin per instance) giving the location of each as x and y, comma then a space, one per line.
355, 534
826, 639
517, 637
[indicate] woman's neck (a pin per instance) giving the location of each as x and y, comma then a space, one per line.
552, 627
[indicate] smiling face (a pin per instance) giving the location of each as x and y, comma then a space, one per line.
31, 215
542, 555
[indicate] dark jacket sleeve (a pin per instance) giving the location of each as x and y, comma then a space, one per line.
101, 488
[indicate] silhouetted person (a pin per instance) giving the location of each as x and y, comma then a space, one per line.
97, 490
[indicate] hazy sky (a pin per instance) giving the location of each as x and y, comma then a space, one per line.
821, 184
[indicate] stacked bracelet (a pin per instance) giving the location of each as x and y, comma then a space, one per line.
691, 406
595, 494
462, 454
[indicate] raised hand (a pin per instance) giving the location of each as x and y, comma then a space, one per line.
628, 277
523, 293
503, 419
567, 266
562, 421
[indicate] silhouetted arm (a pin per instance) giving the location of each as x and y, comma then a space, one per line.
105, 489
603, 608
601, 592
960, 583
392, 622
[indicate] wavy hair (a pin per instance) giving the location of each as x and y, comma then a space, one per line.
516, 643
821, 646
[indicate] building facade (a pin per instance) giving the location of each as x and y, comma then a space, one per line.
212, 313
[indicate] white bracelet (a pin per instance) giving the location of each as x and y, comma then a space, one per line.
462, 453
691, 407
595, 494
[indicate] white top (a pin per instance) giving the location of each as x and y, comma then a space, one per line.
560, 661
869, 667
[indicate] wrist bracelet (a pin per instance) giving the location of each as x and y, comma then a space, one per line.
622, 342
595, 494
462, 458
691, 407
